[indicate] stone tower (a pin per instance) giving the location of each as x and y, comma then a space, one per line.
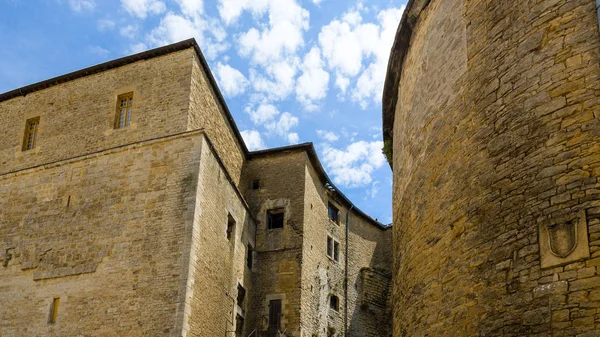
491, 109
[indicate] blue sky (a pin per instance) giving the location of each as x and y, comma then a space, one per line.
291, 71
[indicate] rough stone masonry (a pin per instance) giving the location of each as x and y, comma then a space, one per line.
491, 115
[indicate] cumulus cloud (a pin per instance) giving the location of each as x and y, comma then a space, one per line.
312, 84
354, 165
374, 189
353, 48
277, 79
129, 31
253, 140
82, 5
141, 8
263, 114
327, 135
231, 80
191, 7
105, 24
293, 138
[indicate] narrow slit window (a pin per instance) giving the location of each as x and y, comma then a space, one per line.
255, 184
275, 218
230, 227
124, 110
53, 311
31, 131
336, 251
329, 247
250, 257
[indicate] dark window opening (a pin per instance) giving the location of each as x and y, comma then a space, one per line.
275, 315
53, 311
230, 227
239, 326
275, 218
329, 246
333, 213
336, 251
241, 295
255, 184
334, 303
250, 257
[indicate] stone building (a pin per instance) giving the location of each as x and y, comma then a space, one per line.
492, 111
130, 206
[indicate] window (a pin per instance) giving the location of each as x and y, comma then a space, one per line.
329, 246
31, 131
53, 311
255, 184
333, 249
241, 295
334, 303
250, 257
333, 213
275, 218
336, 251
230, 227
239, 326
124, 108
274, 315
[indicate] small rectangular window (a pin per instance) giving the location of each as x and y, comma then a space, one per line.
275, 218
255, 184
53, 311
334, 303
250, 257
329, 246
124, 110
274, 315
230, 227
336, 251
31, 131
333, 213
241, 295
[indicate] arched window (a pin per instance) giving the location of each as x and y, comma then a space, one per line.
334, 303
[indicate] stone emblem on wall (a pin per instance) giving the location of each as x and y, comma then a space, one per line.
564, 240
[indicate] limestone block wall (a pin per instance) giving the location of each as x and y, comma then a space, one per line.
278, 251
206, 112
218, 264
77, 117
495, 143
104, 233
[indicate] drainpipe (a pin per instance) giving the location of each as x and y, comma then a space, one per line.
346, 273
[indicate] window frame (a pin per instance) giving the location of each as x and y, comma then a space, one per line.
123, 118
275, 325
30, 137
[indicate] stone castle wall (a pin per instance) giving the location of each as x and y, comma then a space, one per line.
496, 144
104, 234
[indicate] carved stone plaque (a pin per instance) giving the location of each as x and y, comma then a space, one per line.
564, 240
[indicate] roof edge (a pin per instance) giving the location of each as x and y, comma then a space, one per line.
314, 158
395, 63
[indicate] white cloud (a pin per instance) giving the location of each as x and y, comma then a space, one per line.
263, 114
231, 80
98, 50
105, 24
174, 28
354, 165
191, 7
327, 135
353, 48
374, 190
129, 31
277, 80
137, 48
82, 5
141, 8
312, 84
282, 127
293, 138
253, 140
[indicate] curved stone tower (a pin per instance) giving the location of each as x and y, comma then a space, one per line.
492, 108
